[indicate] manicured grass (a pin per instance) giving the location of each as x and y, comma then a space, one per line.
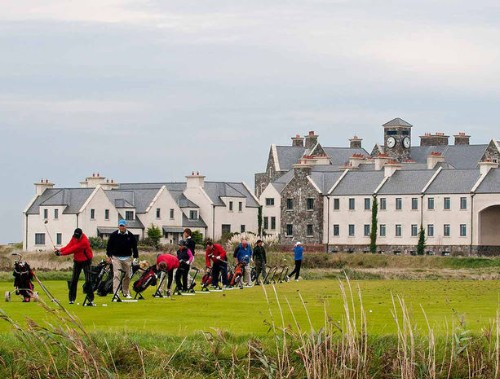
247, 312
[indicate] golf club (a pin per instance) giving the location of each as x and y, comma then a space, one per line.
50, 237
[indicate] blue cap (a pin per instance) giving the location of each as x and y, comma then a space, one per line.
122, 222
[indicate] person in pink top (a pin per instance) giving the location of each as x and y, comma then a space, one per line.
79, 246
167, 263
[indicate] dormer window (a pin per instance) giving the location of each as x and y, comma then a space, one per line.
193, 215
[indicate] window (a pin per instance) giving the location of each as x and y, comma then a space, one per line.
399, 230
58, 238
446, 230
45, 213
226, 228
39, 238
269, 201
463, 203
106, 214
367, 203
382, 232
242, 228
171, 213
414, 230
240, 206
336, 230
129, 215
289, 204
266, 222
352, 203
92, 214
352, 230
430, 230
273, 223
430, 203
310, 204
447, 203
309, 230
399, 203
56, 214
383, 203
193, 215
230, 206
463, 230
289, 230
336, 204
366, 230
414, 203
158, 212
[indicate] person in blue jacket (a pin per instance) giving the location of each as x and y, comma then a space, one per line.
297, 252
243, 254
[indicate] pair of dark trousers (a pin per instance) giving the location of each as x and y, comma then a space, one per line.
73, 284
181, 276
219, 268
296, 270
260, 268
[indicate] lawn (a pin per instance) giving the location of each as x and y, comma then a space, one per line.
248, 312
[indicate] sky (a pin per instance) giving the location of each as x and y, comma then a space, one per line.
149, 91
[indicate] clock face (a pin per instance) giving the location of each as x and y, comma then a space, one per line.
391, 142
406, 142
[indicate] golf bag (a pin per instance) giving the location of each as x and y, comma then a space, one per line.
148, 278
206, 280
237, 275
105, 285
23, 276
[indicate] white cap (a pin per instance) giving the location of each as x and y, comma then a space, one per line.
298, 243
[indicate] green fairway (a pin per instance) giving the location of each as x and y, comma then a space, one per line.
247, 312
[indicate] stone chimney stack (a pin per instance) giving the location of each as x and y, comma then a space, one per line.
461, 139
93, 181
486, 166
195, 180
380, 161
311, 140
298, 141
391, 167
438, 139
356, 159
355, 142
109, 185
41, 186
433, 159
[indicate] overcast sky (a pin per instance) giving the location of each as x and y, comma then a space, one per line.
148, 91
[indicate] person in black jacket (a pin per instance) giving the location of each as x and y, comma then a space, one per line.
181, 275
259, 257
122, 246
191, 245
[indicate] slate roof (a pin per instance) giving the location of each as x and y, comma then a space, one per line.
283, 180
132, 224
288, 156
454, 181
72, 198
457, 156
216, 190
340, 155
397, 122
325, 180
406, 182
491, 183
190, 223
139, 199
359, 183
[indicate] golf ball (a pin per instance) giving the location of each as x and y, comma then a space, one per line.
105, 305
77, 303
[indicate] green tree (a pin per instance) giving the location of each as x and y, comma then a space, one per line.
154, 235
373, 232
259, 221
421, 241
197, 237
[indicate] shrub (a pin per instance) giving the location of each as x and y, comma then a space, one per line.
97, 243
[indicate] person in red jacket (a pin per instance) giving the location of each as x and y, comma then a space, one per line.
79, 246
167, 263
215, 257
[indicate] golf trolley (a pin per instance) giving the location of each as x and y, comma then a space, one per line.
23, 276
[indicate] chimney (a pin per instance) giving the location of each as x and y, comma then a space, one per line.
391, 167
433, 159
42, 186
355, 142
380, 160
355, 160
461, 139
486, 166
93, 181
298, 141
311, 140
438, 139
109, 184
195, 180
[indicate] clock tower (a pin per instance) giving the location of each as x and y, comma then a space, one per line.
397, 139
